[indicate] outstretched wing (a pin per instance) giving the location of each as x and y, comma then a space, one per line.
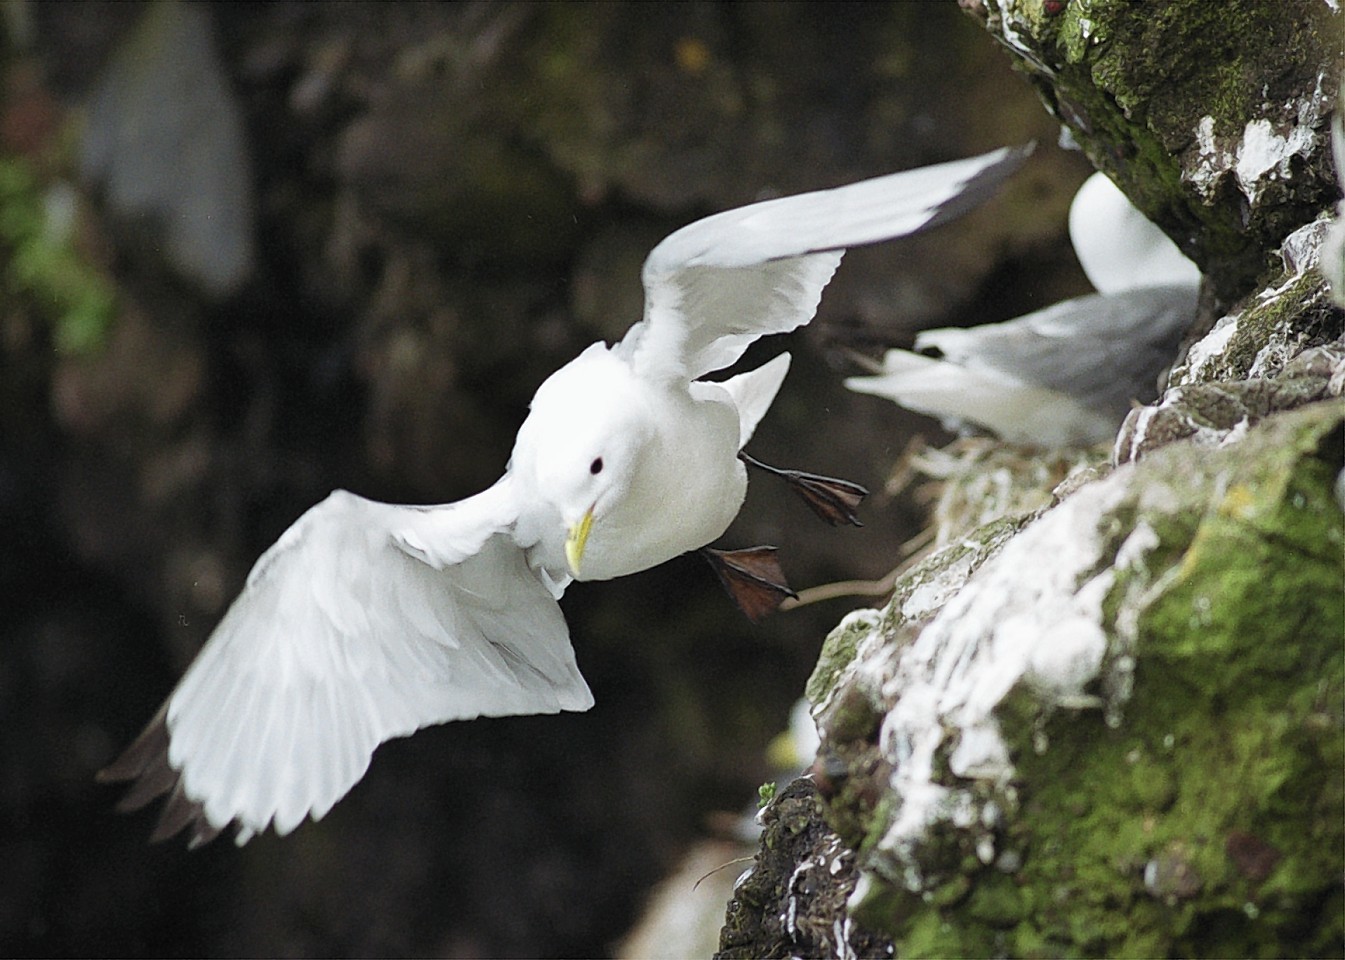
716, 285
365, 621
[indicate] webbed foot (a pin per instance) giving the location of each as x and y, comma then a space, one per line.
835, 501
752, 577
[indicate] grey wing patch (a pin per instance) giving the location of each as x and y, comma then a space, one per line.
1104, 350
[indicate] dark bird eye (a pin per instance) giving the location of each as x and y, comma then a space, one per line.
595, 466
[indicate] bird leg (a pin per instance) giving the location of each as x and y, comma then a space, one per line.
752, 577
831, 499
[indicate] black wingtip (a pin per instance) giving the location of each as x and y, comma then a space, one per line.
145, 763
179, 812
133, 761
981, 186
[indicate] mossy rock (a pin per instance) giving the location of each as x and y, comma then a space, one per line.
1202, 811
1210, 116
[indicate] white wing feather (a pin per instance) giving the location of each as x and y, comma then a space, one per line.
364, 622
716, 285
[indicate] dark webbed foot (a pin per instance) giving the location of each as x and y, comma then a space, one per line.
752, 577
835, 501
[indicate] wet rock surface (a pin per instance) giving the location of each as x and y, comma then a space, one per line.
794, 896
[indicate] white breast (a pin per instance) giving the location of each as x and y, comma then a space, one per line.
687, 491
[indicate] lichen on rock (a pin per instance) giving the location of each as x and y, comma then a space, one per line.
1280, 349
1076, 752
1210, 117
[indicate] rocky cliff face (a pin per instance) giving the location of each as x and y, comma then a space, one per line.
1115, 725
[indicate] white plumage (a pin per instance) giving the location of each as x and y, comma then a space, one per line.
366, 621
1118, 247
1069, 373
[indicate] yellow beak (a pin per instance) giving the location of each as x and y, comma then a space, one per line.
576, 540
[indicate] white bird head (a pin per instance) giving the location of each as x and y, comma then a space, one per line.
582, 446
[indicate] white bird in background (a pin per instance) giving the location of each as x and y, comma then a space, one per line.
1118, 247
366, 621
1331, 259
1069, 373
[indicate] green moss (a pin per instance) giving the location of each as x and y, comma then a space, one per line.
997, 902
930, 935
1130, 57
1132, 81
44, 269
1152, 785
1254, 584
1150, 169
876, 820
1210, 819
1195, 810
838, 651
878, 902
1265, 321
861, 805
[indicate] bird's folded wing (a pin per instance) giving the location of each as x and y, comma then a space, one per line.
752, 393
716, 285
364, 622
1105, 350
1012, 409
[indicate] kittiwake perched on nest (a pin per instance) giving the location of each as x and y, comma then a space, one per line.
1069, 373
366, 621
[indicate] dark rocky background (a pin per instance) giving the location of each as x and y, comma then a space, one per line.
419, 211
